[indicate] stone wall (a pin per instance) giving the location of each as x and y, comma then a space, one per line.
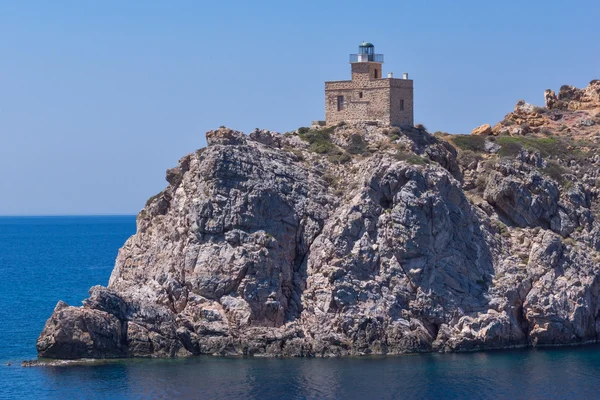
369, 100
401, 89
365, 71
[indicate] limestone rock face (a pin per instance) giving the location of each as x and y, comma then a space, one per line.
485, 129
550, 98
74, 332
572, 111
572, 98
359, 239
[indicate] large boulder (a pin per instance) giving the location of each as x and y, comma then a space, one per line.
74, 332
485, 129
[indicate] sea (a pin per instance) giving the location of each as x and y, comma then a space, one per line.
46, 259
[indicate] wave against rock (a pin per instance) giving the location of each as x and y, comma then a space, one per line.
359, 239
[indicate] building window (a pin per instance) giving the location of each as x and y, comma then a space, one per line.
376, 73
401, 105
340, 103
360, 95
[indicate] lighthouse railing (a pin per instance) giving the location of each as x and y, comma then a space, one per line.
366, 57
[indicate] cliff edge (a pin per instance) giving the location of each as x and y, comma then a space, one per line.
356, 239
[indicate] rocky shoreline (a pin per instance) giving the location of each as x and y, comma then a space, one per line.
360, 239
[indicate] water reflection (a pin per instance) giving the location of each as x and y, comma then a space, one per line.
565, 373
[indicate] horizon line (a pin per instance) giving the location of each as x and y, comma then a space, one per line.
66, 215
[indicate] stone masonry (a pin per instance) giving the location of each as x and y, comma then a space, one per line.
368, 96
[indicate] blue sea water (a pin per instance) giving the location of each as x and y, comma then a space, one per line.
45, 259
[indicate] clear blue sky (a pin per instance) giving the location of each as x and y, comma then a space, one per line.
99, 98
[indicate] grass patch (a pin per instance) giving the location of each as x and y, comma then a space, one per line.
393, 134
339, 157
319, 141
557, 172
546, 146
501, 227
472, 143
411, 158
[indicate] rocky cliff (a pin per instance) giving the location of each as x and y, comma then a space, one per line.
358, 239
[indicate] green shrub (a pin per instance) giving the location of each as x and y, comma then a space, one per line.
319, 140
540, 110
303, 130
411, 158
509, 148
555, 171
470, 142
339, 157
501, 227
547, 146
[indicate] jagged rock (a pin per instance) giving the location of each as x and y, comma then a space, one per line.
485, 129
266, 137
524, 107
573, 111
271, 245
550, 98
74, 332
572, 98
225, 136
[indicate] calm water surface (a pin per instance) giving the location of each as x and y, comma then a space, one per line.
44, 259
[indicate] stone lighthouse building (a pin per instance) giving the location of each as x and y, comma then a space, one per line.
369, 96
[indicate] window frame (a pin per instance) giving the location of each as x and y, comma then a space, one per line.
340, 103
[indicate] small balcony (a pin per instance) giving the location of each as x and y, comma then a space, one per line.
362, 57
